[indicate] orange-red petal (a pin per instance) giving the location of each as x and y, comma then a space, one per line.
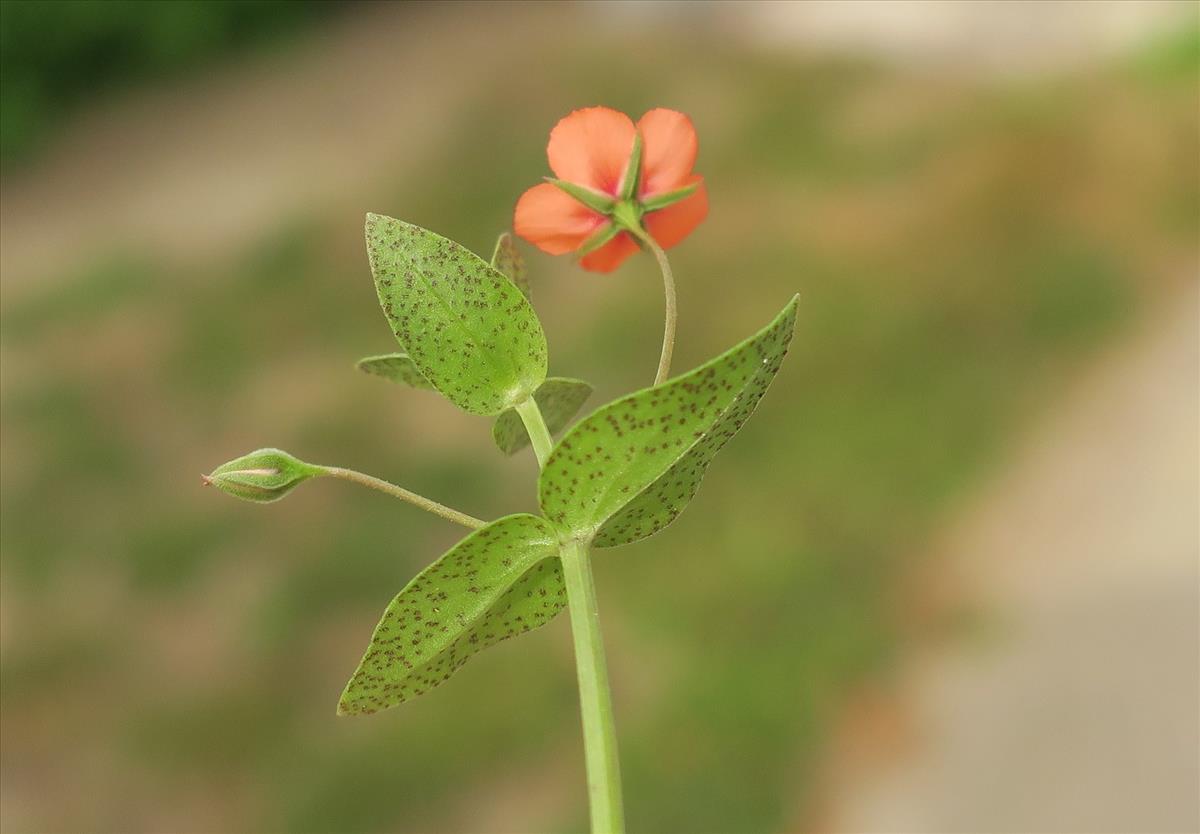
611, 255
591, 147
669, 147
672, 224
553, 221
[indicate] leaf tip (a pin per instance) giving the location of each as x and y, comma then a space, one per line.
373, 220
346, 706
789, 309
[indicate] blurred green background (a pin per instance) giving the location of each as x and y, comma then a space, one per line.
185, 280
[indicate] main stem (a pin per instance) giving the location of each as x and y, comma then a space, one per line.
404, 495
595, 699
539, 435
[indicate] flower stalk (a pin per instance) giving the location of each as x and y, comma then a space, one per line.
403, 494
671, 312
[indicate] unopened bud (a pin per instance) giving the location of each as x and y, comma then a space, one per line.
263, 476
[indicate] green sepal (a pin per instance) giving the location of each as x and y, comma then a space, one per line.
628, 469
597, 239
594, 200
397, 367
262, 476
500, 581
507, 260
466, 327
633, 169
661, 201
559, 399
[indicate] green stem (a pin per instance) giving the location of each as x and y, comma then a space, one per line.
668, 345
595, 700
539, 435
403, 494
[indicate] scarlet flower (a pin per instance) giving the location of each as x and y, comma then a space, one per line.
614, 178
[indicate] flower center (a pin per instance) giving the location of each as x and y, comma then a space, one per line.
628, 214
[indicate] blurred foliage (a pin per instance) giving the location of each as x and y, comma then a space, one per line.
55, 54
960, 249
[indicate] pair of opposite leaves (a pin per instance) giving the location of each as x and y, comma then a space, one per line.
472, 387
619, 475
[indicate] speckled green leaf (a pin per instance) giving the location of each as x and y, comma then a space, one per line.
558, 398
398, 367
502, 580
467, 328
628, 469
507, 259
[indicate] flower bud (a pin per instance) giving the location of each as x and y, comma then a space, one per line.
262, 476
